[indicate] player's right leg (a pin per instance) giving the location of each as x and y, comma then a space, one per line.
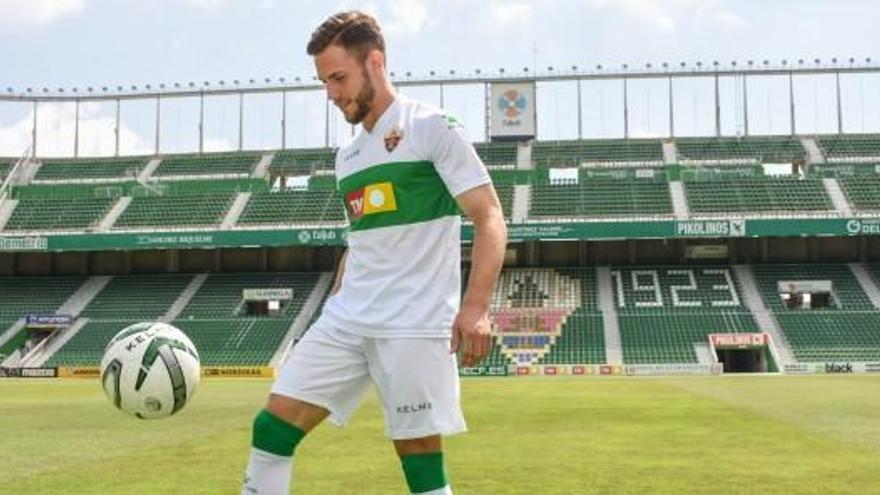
326, 375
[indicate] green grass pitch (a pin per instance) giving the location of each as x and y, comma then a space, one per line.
745, 434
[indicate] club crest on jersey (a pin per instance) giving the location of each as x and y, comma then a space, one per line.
374, 198
393, 138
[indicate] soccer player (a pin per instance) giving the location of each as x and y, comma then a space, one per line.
396, 316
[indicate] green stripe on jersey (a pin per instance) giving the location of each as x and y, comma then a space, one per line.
397, 193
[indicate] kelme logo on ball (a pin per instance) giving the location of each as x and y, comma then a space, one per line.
374, 198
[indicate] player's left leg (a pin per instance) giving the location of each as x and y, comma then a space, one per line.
422, 461
417, 381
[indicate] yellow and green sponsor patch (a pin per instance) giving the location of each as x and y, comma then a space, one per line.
373, 198
396, 193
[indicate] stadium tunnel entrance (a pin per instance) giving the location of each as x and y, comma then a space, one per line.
743, 352
742, 360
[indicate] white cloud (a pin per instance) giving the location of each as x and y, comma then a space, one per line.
208, 4
56, 130
653, 12
22, 15
666, 15
507, 12
729, 19
407, 18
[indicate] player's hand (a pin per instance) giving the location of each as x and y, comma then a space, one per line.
471, 334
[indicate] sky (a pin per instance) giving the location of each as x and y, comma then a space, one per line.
79, 43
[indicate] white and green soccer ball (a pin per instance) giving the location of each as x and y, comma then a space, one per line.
150, 370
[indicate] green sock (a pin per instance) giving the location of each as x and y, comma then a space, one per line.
274, 435
424, 472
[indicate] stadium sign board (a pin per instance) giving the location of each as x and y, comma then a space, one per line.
272, 294
531, 231
48, 321
513, 109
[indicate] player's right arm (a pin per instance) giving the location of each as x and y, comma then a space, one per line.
339, 271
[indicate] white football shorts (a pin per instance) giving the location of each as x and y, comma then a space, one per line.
416, 378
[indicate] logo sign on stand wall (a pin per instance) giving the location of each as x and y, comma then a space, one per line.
513, 110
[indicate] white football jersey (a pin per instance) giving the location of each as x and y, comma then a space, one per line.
402, 273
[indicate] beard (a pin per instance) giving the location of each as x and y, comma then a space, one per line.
363, 101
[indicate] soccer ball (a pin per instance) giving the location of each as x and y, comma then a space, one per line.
150, 370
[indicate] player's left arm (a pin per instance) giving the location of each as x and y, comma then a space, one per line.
447, 145
472, 326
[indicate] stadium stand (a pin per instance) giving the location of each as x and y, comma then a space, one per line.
238, 164
575, 152
5, 168
58, 214
504, 182
663, 311
842, 148
318, 203
124, 301
847, 329
644, 194
546, 316
863, 193
21, 296
203, 209
223, 333
72, 170
757, 195
495, 154
302, 161
761, 149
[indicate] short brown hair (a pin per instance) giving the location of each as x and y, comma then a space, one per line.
356, 31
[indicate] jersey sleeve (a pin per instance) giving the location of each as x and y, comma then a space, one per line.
453, 155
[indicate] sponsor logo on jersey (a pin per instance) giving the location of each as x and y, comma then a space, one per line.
351, 154
393, 138
451, 121
414, 408
374, 198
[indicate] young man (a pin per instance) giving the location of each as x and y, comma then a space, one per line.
395, 316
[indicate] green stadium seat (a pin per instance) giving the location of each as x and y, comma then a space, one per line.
302, 161
5, 168
863, 193
504, 182
757, 195
845, 331
663, 312
576, 152
226, 164
850, 147
601, 197
204, 209
73, 170
224, 335
20, 296
760, 149
58, 214
320, 202
497, 154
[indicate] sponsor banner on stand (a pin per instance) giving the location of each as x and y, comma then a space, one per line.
834, 367
79, 372
239, 371
335, 235
48, 321
739, 340
673, 369
484, 371
39, 372
798, 369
